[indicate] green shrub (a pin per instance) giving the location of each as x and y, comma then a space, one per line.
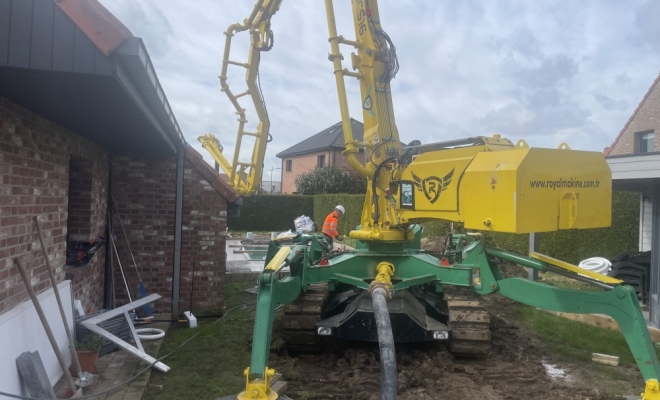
92, 342
274, 213
330, 179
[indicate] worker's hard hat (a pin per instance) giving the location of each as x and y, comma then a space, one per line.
341, 208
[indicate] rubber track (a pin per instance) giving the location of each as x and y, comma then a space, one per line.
469, 323
299, 320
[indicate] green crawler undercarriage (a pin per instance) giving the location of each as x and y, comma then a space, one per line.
325, 292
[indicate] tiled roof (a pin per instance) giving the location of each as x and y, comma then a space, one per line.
98, 24
329, 138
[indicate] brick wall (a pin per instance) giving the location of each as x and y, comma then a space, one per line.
307, 162
48, 171
646, 118
144, 189
34, 180
203, 258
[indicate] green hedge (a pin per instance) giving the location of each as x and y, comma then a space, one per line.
568, 245
325, 203
277, 212
572, 245
271, 213
576, 245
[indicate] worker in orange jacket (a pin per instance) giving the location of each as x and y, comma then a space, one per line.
330, 225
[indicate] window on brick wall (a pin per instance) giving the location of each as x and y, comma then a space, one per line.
320, 161
645, 141
289, 165
80, 199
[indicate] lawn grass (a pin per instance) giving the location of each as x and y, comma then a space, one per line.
212, 364
575, 340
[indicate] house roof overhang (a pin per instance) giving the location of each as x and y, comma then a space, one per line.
102, 87
634, 172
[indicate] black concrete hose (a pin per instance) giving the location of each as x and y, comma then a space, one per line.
386, 344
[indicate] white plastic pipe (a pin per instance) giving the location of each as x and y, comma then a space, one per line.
596, 264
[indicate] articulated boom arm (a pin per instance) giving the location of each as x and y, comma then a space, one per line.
245, 177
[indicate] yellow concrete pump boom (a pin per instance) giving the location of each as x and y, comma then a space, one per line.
245, 177
486, 183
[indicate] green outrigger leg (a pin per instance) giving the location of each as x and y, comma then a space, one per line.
619, 303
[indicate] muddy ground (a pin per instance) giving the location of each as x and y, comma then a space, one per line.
517, 367
514, 369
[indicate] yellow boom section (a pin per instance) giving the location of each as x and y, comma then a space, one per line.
246, 176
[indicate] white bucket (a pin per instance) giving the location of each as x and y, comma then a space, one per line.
250, 236
273, 235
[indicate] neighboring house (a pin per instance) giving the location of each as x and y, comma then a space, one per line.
271, 187
634, 158
324, 148
84, 119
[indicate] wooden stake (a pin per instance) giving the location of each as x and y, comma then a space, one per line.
53, 282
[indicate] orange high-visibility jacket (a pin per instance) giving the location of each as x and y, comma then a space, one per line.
330, 225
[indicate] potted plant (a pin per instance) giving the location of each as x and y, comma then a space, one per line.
88, 352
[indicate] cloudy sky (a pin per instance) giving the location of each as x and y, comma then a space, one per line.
544, 71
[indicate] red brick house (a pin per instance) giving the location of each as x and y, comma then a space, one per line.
83, 119
319, 150
634, 158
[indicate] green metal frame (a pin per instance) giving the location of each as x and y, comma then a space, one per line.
469, 264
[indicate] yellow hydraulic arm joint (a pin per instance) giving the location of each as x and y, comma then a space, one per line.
652, 390
384, 278
258, 389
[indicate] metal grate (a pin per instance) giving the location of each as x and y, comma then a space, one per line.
118, 326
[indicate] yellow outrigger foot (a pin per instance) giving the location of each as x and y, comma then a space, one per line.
652, 390
258, 389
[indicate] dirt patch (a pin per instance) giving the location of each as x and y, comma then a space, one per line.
433, 243
516, 368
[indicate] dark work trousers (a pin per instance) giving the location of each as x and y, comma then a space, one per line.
328, 239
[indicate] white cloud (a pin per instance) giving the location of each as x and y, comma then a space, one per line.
544, 71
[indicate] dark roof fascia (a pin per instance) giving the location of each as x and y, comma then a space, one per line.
135, 71
650, 153
335, 129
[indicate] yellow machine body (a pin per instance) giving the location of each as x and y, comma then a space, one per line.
513, 189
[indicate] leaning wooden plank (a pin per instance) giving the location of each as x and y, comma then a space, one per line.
605, 359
